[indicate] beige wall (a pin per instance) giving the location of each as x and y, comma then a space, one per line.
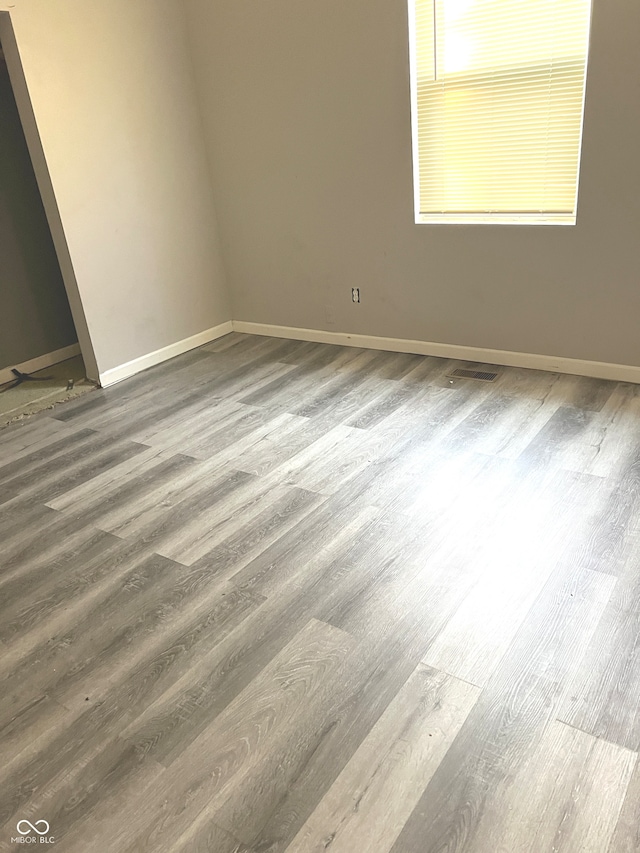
306, 108
111, 86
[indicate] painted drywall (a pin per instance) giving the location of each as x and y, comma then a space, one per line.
112, 93
307, 117
35, 318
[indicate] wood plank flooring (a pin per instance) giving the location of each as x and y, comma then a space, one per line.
285, 597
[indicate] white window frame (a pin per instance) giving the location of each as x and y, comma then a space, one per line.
480, 218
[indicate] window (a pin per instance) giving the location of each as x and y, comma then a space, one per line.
498, 99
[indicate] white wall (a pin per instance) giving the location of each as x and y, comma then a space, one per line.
306, 108
112, 93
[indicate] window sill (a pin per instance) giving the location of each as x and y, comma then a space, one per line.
495, 219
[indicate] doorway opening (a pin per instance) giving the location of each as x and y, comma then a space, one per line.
40, 357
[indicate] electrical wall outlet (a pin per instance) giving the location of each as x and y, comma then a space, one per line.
355, 294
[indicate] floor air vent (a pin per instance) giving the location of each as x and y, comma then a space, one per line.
482, 375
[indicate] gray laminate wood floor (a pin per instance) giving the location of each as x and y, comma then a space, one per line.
280, 596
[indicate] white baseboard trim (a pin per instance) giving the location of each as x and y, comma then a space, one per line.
554, 364
130, 368
533, 361
39, 363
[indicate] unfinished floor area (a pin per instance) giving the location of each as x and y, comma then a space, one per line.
28, 393
283, 596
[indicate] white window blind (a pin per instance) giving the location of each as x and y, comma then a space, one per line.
498, 88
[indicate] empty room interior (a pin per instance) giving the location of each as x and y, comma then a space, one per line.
328, 536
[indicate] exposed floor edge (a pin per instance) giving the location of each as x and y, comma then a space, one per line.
40, 363
50, 387
130, 368
534, 361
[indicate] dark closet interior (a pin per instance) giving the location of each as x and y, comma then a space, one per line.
35, 318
